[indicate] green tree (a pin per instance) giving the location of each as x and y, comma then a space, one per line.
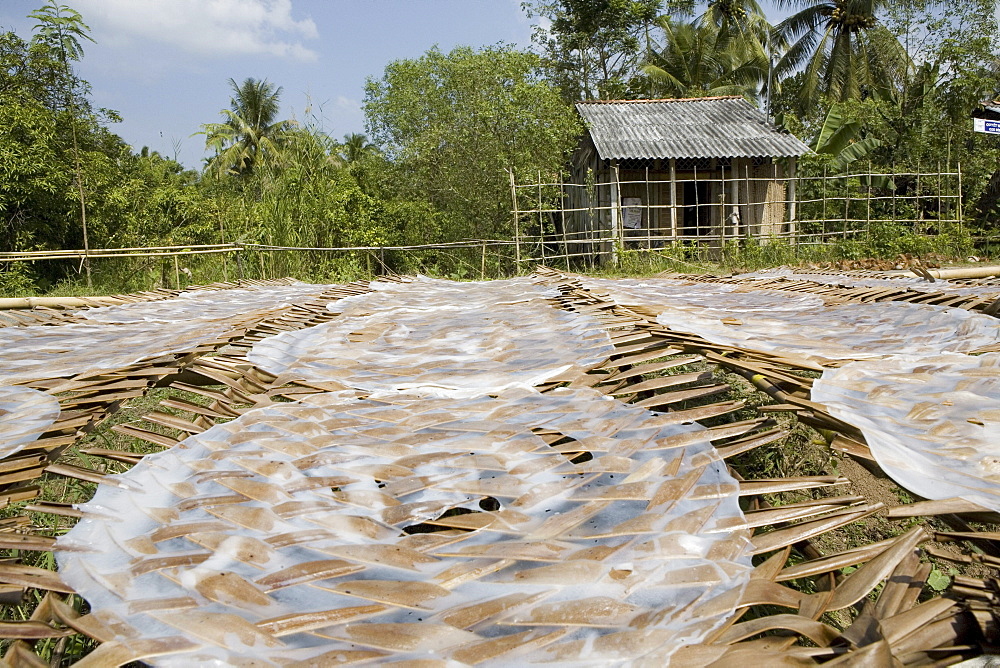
845, 49
593, 49
698, 58
455, 123
59, 31
252, 133
34, 204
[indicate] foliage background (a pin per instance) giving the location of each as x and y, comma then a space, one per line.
445, 129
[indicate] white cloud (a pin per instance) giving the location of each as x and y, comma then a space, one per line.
205, 27
347, 103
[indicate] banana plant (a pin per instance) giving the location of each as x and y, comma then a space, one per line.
840, 137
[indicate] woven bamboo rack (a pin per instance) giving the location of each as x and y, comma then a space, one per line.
865, 604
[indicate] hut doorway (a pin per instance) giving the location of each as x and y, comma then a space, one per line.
696, 218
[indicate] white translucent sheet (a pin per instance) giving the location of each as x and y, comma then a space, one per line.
854, 281
800, 325
279, 536
709, 299
440, 337
848, 332
933, 424
25, 414
124, 335
32, 353
208, 304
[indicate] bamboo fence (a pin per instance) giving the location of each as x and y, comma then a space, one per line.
815, 210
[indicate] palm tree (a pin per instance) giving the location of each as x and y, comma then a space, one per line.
745, 22
251, 134
356, 147
846, 51
698, 59
742, 18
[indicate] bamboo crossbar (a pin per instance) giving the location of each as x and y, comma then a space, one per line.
170, 251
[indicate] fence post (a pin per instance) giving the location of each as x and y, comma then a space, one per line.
722, 206
847, 201
895, 181
868, 201
482, 264
920, 209
517, 223
961, 220
792, 195
649, 217
239, 265
616, 194
673, 199
563, 201
541, 220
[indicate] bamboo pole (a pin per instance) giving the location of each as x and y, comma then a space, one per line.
964, 272
920, 209
225, 260
722, 206
517, 223
792, 192
562, 196
541, 220
673, 199
868, 200
847, 202
18, 257
615, 214
697, 204
939, 194
734, 196
961, 219
747, 226
826, 223
649, 219
10, 303
894, 180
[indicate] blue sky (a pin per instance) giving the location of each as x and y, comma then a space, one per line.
164, 64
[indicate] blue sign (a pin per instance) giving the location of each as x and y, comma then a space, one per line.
989, 127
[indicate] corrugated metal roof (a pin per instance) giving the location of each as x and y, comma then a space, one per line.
713, 127
995, 107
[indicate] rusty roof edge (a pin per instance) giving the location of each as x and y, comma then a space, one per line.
665, 99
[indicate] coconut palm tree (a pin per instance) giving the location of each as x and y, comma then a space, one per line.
356, 147
846, 51
698, 59
743, 18
251, 134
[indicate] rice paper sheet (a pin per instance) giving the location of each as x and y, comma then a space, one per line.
711, 299
306, 532
209, 304
25, 414
854, 281
848, 332
799, 324
933, 424
34, 353
440, 337
118, 336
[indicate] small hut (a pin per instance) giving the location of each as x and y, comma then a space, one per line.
666, 170
987, 113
